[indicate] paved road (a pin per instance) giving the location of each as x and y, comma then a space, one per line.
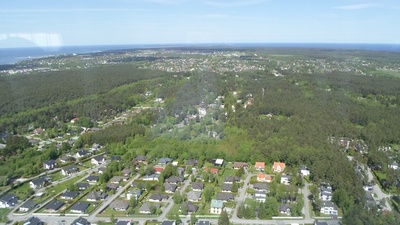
242, 195
377, 190
306, 209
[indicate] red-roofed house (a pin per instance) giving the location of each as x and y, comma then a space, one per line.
212, 170
260, 166
262, 177
278, 167
158, 169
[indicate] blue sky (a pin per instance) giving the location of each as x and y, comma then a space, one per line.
95, 22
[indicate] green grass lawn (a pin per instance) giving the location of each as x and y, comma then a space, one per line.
62, 186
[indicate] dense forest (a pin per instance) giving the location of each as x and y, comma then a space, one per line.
291, 119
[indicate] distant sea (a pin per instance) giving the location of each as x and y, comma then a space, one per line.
13, 55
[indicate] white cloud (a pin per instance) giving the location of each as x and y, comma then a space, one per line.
358, 6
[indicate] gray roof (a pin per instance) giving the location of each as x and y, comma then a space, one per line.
33, 221
54, 205
194, 195
10, 199
198, 185
80, 206
29, 205
80, 221
225, 196
164, 160
69, 194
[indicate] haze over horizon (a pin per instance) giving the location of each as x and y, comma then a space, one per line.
46, 23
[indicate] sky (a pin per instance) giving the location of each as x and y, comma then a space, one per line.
53, 23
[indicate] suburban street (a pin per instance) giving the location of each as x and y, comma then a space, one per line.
377, 190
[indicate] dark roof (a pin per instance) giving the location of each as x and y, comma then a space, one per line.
93, 178
190, 207
33, 221
116, 158
39, 181
9, 198
227, 187
80, 221
198, 185
29, 205
82, 186
225, 196
157, 196
50, 162
69, 194
54, 205
80, 206
141, 158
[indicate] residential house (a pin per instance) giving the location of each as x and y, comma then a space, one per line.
190, 207
66, 159
96, 196
82, 153
260, 166
80, 207
147, 207
278, 167
27, 206
227, 188
158, 169
98, 160
262, 177
141, 158
151, 177
286, 179
192, 162
69, 170
197, 186
328, 207
92, 179
50, 164
304, 171
284, 209
39, 182
394, 165
203, 222
8, 200
53, 206
218, 162
164, 161
225, 197
126, 172
174, 180
118, 179
33, 221
119, 205
133, 194
194, 196
238, 165
123, 222
156, 197
231, 179
83, 186
112, 186
116, 158
80, 221
260, 187
69, 195
260, 196
211, 170
216, 206
168, 222
170, 188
